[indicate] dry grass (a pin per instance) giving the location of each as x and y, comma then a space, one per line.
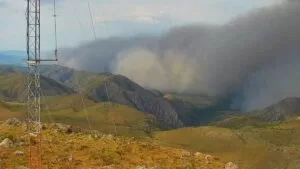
9, 110
5, 114
106, 117
62, 151
274, 146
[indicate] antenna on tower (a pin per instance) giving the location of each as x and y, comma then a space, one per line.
33, 16
55, 30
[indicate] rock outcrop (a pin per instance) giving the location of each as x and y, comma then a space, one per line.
12, 122
19, 153
62, 128
6, 143
231, 165
22, 167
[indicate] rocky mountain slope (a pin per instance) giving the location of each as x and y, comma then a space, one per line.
170, 112
285, 109
117, 89
120, 89
174, 110
252, 140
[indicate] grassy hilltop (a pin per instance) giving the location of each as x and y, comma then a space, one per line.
78, 150
273, 145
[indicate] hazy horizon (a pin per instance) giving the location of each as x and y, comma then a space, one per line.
138, 17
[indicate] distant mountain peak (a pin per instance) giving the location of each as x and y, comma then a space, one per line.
12, 57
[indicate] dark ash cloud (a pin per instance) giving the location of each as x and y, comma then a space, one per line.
256, 56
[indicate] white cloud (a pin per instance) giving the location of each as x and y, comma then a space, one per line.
147, 19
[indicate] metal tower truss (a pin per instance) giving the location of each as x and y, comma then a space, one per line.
33, 116
34, 86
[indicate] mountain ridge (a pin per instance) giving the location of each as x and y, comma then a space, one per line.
286, 109
171, 110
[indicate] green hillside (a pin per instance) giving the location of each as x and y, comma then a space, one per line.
175, 110
200, 100
61, 104
238, 122
105, 116
171, 110
118, 89
11, 109
200, 109
13, 87
273, 145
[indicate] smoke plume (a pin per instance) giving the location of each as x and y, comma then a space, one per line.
255, 56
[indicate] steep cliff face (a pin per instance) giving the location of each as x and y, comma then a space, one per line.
122, 90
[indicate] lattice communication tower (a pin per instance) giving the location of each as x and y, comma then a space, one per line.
33, 16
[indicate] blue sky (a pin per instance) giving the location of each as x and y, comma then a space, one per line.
115, 18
